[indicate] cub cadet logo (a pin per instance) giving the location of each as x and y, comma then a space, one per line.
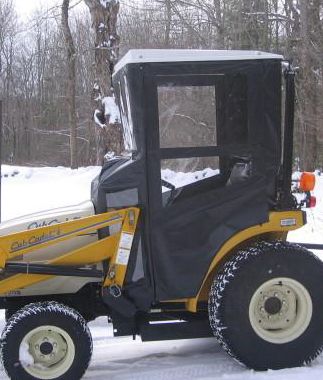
34, 240
44, 223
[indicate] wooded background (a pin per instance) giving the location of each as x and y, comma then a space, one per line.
34, 66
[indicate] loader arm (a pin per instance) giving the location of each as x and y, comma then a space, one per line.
114, 249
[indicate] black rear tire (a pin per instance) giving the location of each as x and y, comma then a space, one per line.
46, 339
240, 323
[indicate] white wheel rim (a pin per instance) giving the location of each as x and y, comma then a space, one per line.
46, 352
280, 310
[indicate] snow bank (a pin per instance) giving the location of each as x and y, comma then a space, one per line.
38, 189
179, 179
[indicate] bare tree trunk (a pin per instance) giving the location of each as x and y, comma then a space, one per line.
219, 22
71, 55
104, 16
309, 18
168, 23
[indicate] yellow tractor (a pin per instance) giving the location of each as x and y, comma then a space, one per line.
187, 227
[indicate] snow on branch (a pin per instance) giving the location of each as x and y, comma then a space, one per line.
111, 110
110, 113
105, 3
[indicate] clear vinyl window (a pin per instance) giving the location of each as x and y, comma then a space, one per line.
179, 172
187, 116
200, 119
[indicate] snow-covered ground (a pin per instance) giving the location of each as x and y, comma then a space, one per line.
26, 190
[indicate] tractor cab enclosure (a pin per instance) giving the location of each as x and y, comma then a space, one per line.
202, 138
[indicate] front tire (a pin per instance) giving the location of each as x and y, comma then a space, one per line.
265, 306
46, 340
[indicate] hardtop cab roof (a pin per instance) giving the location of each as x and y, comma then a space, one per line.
190, 55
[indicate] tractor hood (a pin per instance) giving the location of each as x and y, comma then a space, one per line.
47, 218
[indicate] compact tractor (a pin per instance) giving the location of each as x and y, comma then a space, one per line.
185, 234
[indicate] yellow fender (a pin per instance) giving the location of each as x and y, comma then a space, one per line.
278, 225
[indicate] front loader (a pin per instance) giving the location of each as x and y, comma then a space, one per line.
185, 234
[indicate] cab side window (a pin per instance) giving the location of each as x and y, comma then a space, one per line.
198, 117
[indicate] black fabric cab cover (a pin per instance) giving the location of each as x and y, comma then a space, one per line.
191, 128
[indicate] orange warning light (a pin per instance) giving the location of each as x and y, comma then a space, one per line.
307, 181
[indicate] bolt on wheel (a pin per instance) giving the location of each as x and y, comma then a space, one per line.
47, 352
280, 310
46, 340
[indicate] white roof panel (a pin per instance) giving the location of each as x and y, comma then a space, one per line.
189, 55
